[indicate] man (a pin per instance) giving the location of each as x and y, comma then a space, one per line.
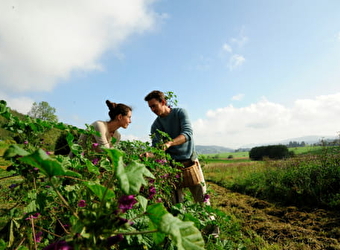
175, 122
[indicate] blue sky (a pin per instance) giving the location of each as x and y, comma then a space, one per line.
248, 72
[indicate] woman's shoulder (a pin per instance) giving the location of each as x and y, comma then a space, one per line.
99, 124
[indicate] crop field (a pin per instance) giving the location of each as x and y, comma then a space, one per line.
270, 205
285, 204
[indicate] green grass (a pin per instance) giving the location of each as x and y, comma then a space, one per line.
243, 156
312, 177
307, 150
228, 154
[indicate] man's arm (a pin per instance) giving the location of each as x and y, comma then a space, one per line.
179, 140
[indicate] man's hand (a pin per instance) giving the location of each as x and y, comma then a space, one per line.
167, 145
147, 155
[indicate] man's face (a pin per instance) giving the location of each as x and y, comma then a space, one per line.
157, 107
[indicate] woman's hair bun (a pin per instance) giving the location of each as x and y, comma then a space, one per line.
111, 105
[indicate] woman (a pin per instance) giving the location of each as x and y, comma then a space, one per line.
120, 117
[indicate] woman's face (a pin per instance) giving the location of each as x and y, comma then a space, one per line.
125, 120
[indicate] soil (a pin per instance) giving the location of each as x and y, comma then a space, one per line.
285, 227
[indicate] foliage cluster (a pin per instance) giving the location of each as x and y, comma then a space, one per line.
43, 111
44, 135
270, 151
107, 200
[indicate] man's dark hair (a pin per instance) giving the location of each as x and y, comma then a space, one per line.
156, 94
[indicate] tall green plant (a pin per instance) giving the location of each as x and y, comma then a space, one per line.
108, 200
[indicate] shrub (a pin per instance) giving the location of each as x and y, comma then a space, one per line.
271, 152
61, 146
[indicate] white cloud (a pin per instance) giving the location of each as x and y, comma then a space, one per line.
45, 41
226, 47
237, 97
240, 40
235, 61
20, 104
268, 122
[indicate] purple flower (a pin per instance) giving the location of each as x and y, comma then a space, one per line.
95, 161
164, 176
33, 216
38, 236
151, 181
160, 161
95, 145
59, 245
81, 203
48, 153
25, 142
126, 202
206, 198
13, 186
152, 192
114, 239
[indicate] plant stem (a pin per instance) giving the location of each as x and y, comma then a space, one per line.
63, 200
33, 231
136, 232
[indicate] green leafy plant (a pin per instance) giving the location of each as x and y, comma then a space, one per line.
111, 199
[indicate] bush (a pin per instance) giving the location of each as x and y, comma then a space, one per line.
61, 146
272, 152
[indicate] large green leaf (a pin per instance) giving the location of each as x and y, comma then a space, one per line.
91, 167
130, 177
183, 233
142, 201
47, 165
116, 157
14, 150
100, 191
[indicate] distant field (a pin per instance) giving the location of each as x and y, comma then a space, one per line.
227, 154
244, 156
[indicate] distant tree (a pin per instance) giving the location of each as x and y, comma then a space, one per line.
43, 111
271, 151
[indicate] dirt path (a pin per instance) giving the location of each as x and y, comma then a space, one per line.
290, 227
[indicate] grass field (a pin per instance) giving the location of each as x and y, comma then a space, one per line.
243, 156
281, 204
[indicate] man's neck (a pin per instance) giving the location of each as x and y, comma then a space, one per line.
166, 112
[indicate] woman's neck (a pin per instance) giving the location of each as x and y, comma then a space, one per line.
112, 126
